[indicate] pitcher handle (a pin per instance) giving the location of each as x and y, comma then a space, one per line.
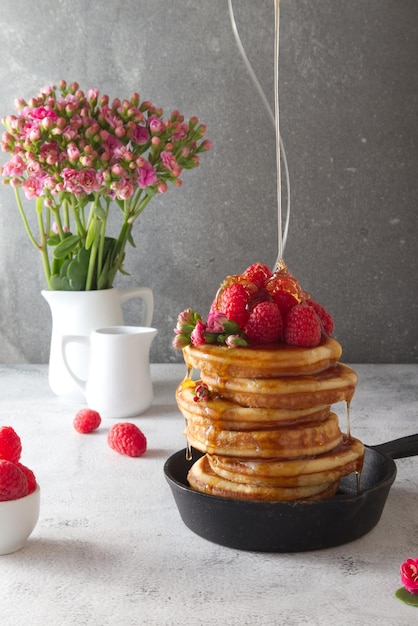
65, 340
146, 294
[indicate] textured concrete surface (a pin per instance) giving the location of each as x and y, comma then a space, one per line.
349, 101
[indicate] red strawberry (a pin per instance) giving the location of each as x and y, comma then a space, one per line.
13, 482
264, 323
324, 316
30, 476
10, 444
258, 274
86, 420
126, 438
234, 300
302, 327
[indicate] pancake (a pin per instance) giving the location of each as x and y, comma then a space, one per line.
327, 467
287, 442
228, 415
202, 478
287, 392
268, 361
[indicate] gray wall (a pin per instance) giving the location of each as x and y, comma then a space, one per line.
349, 121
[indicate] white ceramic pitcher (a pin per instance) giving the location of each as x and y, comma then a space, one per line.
119, 381
79, 313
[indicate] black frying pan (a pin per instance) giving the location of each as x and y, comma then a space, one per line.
291, 526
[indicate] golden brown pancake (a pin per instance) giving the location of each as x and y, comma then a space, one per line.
203, 479
287, 442
288, 392
268, 361
327, 467
228, 415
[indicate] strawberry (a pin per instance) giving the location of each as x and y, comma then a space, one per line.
10, 444
86, 420
30, 476
264, 323
324, 316
258, 274
234, 300
302, 326
13, 482
127, 438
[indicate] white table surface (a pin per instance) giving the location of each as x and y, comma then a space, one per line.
110, 546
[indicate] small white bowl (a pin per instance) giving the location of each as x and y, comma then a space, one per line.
18, 518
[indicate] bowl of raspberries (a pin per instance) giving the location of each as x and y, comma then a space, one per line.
19, 494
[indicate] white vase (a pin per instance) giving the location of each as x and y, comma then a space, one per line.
80, 313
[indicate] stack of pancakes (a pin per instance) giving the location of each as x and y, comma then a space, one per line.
266, 428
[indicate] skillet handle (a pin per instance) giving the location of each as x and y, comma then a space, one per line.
399, 448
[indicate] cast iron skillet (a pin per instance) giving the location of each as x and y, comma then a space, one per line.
291, 526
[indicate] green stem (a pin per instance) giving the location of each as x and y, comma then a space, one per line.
25, 221
43, 245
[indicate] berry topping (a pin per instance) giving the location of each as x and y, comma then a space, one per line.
264, 323
233, 303
10, 444
302, 327
126, 438
258, 274
30, 476
324, 316
86, 420
13, 482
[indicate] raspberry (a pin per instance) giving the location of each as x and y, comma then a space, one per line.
234, 299
302, 327
264, 323
126, 438
257, 274
86, 420
13, 482
324, 316
285, 291
30, 476
10, 444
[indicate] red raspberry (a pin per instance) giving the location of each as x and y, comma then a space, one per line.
285, 291
13, 482
264, 323
126, 438
234, 300
258, 274
86, 420
10, 444
302, 327
30, 476
324, 316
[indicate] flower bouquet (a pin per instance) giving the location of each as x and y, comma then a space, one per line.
82, 157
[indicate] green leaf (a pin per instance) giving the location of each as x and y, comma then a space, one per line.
409, 598
53, 240
77, 275
99, 212
66, 247
55, 283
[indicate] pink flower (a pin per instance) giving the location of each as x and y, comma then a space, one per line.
125, 190
156, 125
88, 181
147, 175
14, 167
140, 135
409, 575
32, 188
216, 321
70, 177
72, 151
170, 162
198, 334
